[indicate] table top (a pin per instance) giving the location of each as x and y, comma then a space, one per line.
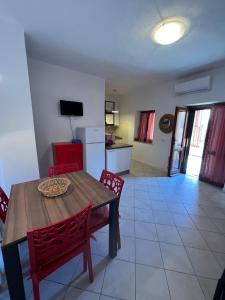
29, 209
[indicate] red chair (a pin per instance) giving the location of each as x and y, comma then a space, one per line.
100, 217
4, 201
52, 246
62, 169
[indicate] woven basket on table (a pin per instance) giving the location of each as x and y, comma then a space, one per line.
54, 187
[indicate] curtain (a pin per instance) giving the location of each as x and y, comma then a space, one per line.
213, 163
143, 126
150, 128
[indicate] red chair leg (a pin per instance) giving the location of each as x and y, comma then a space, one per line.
118, 238
36, 291
89, 261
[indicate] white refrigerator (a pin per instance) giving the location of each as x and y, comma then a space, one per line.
93, 140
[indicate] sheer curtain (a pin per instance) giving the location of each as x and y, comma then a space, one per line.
213, 163
146, 126
150, 128
143, 126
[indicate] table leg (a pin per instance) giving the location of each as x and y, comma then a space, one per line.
13, 272
113, 227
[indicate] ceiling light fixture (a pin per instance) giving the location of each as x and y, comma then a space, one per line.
170, 30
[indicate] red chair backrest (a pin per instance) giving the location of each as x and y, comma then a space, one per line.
52, 242
112, 182
4, 202
62, 169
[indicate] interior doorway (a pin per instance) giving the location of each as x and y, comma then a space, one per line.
198, 136
178, 143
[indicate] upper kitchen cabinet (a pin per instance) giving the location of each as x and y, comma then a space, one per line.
109, 115
117, 114
109, 107
112, 113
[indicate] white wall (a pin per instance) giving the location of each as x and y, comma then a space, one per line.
50, 83
163, 100
18, 156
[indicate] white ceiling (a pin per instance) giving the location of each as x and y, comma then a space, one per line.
111, 38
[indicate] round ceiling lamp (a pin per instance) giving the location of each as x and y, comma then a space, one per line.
170, 30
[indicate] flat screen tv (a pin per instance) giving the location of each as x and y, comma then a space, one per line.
71, 108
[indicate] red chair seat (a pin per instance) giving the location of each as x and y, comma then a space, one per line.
46, 269
99, 218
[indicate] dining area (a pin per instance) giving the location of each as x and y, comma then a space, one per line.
57, 217
70, 236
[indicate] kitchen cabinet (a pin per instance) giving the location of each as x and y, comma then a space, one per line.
67, 153
109, 106
118, 160
112, 113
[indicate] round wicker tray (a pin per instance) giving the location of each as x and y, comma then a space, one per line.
54, 187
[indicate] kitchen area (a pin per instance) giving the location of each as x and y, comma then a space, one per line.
117, 154
95, 148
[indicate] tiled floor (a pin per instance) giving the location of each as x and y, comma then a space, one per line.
173, 246
139, 169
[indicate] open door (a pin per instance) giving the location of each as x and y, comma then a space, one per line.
178, 141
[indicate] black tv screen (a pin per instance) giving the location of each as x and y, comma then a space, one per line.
71, 108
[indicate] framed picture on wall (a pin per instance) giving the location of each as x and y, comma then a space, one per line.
166, 123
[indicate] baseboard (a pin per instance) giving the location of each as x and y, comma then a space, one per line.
123, 173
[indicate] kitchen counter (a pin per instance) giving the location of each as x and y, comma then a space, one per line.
118, 158
118, 146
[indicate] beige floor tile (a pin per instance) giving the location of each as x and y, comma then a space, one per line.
192, 238
81, 280
126, 227
184, 286
148, 253
119, 280
215, 241
208, 286
78, 294
175, 258
146, 231
220, 257
163, 217
168, 234
204, 263
51, 290
127, 251
204, 223
144, 215
183, 220
151, 283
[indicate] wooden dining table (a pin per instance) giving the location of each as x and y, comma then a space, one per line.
29, 209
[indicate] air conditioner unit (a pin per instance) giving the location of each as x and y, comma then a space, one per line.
194, 85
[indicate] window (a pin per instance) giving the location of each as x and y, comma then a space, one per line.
146, 126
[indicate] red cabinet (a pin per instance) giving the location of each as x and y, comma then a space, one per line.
67, 153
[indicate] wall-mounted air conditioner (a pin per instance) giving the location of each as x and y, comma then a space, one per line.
194, 85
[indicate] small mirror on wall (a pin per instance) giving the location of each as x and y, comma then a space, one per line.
166, 123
